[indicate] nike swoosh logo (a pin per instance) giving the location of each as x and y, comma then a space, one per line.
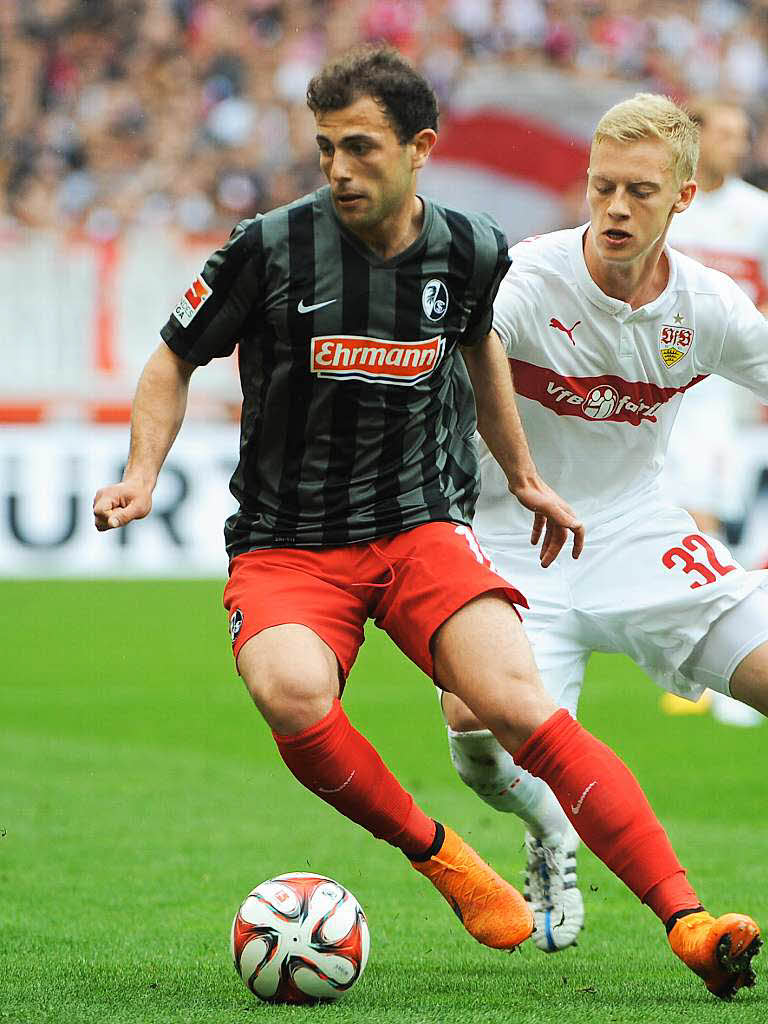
577, 807
317, 305
346, 781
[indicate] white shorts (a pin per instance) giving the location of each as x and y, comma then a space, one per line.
648, 585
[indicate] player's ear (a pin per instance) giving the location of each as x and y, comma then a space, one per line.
685, 196
422, 144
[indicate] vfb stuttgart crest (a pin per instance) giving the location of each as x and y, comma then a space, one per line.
434, 299
674, 343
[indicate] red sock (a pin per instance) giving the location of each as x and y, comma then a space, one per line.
333, 760
608, 809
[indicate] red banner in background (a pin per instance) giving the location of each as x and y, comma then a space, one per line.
518, 147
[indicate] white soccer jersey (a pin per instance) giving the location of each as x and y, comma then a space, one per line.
599, 383
727, 229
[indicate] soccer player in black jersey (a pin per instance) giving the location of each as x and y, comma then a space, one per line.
362, 313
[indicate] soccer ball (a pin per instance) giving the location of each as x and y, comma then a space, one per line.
300, 938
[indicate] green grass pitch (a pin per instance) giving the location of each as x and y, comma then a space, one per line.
141, 797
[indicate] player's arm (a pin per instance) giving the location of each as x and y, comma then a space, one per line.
205, 324
744, 355
498, 422
156, 416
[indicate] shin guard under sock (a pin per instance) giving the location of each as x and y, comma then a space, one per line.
336, 762
608, 809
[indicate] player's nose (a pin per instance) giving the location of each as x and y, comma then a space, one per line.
618, 206
339, 169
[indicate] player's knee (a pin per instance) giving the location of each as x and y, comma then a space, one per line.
458, 716
292, 703
515, 719
291, 691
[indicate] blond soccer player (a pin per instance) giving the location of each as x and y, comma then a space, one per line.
605, 328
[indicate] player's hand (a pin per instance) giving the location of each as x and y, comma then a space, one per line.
553, 517
120, 504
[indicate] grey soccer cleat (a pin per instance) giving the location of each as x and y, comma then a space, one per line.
552, 891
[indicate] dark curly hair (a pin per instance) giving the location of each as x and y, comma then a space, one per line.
383, 74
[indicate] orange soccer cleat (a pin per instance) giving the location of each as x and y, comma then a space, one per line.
492, 911
719, 950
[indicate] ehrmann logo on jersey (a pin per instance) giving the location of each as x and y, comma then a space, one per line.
376, 360
434, 299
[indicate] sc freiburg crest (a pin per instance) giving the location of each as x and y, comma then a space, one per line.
434, 299
674, 343
235, 624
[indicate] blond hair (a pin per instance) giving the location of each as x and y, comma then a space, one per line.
649, 115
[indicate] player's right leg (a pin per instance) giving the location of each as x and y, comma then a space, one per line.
292, 671
292, 676
293, 679
480, 655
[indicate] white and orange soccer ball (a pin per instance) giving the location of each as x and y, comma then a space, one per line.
300, 938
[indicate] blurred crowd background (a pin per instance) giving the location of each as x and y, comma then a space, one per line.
135, 133
191, 113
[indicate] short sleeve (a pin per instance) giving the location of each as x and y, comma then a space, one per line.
506, 309
208, 319
744, 355
481, 319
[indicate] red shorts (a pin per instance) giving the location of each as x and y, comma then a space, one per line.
409, 583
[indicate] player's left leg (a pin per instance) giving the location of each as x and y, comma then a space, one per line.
732, 657
475, 647
481, 654
295, 630
560, 657
598, 793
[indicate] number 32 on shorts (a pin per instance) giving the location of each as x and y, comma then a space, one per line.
682, 557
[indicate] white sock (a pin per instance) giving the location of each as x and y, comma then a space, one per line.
486, 767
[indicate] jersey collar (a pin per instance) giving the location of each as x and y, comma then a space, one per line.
617, 307
368, 254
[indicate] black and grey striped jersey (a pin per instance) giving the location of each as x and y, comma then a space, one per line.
358, 415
